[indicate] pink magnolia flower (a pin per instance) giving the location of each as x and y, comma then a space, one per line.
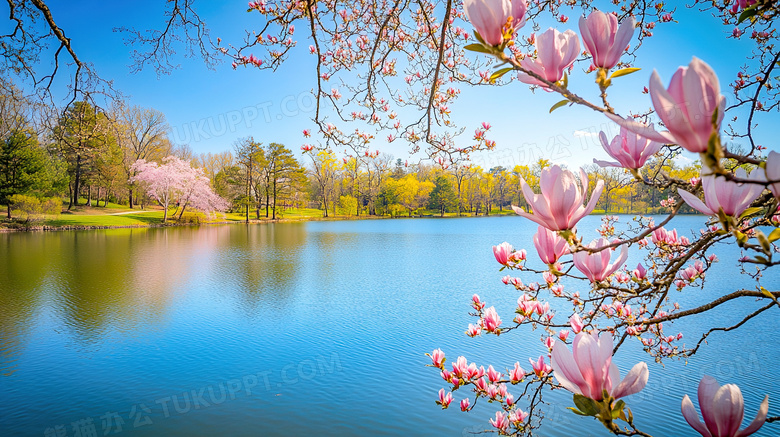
576, 323
444, 400
559, 206
489, 17
773, 172
629, 149
473, 330
476, 303
502, 252
555, 52
590, 370
687, 106
501, 421
492, 374
721, 194
563, 334
517, 374
640, 272
460, 367
549, 245
603, 39
464, 404
491, 320
722, 409
518, 256
541, 369
526, 307
596, 265
518, 416
437, 356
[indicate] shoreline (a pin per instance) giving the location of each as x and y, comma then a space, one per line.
4, 228
48, 228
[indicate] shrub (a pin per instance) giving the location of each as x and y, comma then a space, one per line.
192, 218
32, 209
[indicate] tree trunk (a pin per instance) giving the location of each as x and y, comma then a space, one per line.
182, 210
70, 196
267, 201
275, 194
9, 209
77, 182
89, 195
130, 196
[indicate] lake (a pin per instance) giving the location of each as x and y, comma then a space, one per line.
316, 328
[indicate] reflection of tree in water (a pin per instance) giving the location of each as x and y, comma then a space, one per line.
97, 283
262, 264
23, 269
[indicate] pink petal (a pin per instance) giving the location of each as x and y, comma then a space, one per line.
694, 202
728, 409
642, 130
689, 413
758, 422
565, 369
708, 386
634, 382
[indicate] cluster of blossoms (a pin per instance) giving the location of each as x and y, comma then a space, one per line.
176, 182
623, 302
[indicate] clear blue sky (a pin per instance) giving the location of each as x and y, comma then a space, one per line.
200, 104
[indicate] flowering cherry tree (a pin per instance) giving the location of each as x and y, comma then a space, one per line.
176, 181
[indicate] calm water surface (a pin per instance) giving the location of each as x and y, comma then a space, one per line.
313, 328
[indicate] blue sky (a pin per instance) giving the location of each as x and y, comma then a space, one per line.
209, 110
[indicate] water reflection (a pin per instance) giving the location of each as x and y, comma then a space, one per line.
95, 283
104, 320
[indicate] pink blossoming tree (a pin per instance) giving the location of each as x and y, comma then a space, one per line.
176, 181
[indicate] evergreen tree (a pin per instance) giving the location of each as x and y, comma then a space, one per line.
443, 196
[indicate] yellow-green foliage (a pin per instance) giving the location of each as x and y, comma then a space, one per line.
192, 218
347, 205
29, 208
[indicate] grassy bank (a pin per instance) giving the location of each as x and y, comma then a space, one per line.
121, 216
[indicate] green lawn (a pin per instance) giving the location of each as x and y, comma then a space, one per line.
142, 219
120, 215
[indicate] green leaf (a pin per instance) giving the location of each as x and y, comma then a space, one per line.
761, 259
558, 105
747, 13
765, 244
478, 36
565, 80
617, 410
750, 211
586, 405
576, 411
478, 48
624, 72
767, 293
741, 238
500, 73
774, 235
